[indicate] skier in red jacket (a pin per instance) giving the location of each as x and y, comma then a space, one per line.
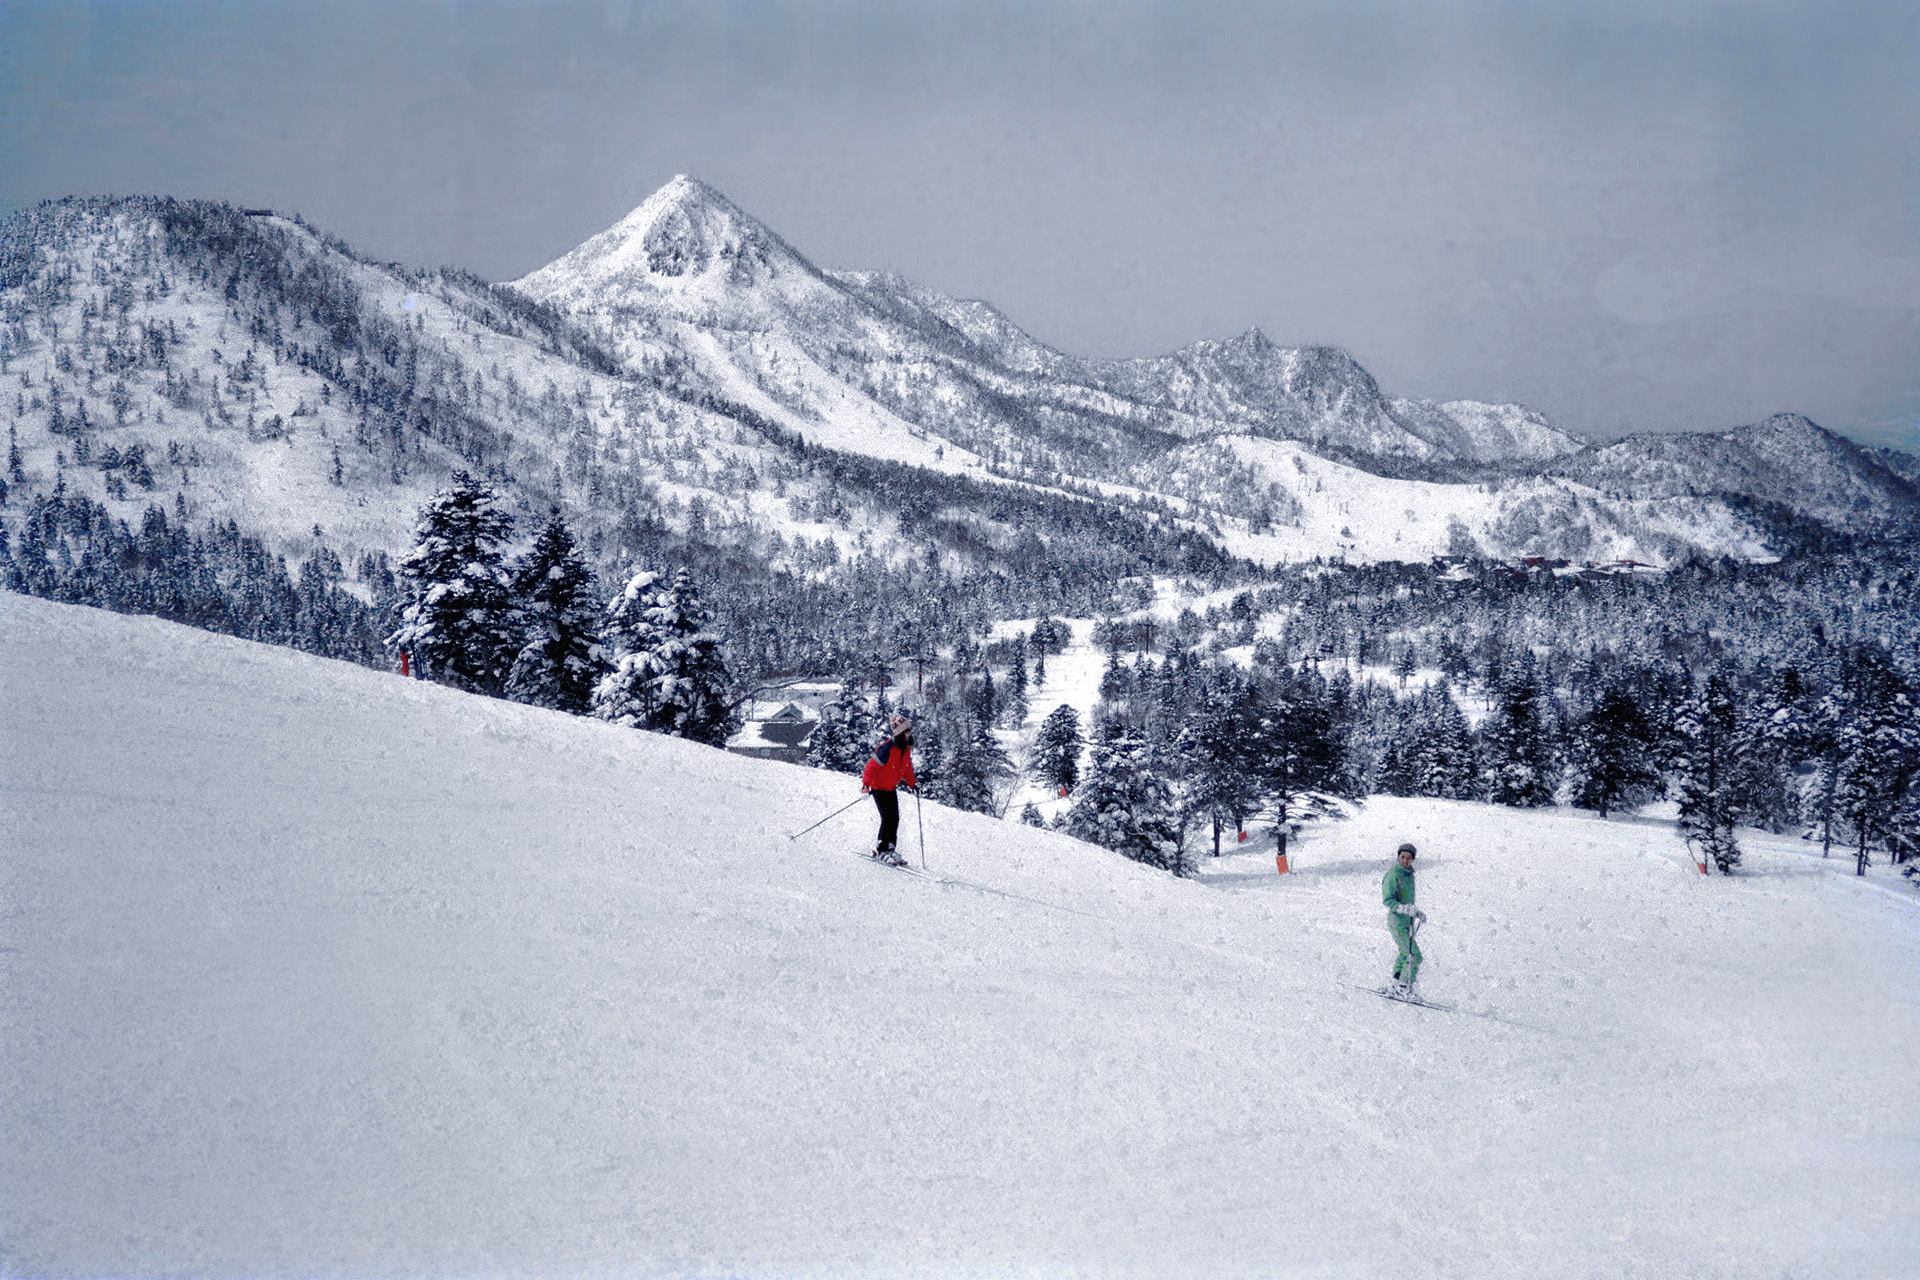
890, 766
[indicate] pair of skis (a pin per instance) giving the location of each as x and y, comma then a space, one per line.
1388, 993
902, 865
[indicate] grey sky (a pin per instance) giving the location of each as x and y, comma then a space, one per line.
1634, 215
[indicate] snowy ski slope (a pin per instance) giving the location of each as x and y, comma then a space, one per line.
309, 970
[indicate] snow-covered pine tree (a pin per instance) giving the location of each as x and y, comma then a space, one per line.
983, 702
1219, 788
929, 753
1820, 789
846, 734
1125, 804
668, 675
1878, 748
1445, 756
1516, 740
1393, 776
975, 772
1056, 749
1774, 736
1610, 760
693, 688
1703, 769
456, 615
1297, 755
560, 656
1013, 706
625, 694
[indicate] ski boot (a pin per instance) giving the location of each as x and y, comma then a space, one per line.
889, 856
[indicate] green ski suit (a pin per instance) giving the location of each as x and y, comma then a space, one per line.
1395, 890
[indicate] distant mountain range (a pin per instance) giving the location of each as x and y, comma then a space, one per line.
689, 370
689, 272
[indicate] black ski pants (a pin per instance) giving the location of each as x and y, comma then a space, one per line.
889, 805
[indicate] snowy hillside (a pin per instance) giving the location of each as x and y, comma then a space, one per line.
1786, 459
1292, 505
306, 969
1488, 432
263, 374
233, 365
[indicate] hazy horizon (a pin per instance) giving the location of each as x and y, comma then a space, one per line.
1629, 216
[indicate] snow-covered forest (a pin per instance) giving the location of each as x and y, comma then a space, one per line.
1528, 688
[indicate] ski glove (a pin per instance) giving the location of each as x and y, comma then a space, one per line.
1419, 917
1405, 909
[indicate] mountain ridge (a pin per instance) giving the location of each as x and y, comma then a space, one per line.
687, 252
263, 372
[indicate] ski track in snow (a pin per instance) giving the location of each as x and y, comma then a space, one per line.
306, 969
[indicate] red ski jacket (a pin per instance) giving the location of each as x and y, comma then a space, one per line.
888, 767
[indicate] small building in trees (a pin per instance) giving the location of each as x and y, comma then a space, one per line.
783, 735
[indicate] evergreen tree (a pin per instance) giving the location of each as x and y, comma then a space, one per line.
1297, 756
457, 617
1445, 756
1611, 758
691, 681
975, 771
1125, 804
1877, 749
1056, 749
1704, 770
560, 657
1820, 791
846, 734
1430, 751
929, 754
1013, 708
1773, 737
1516, 741
1217, 745
626, 694
984, 704
668, 676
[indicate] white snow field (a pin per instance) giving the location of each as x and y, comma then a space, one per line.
307, 970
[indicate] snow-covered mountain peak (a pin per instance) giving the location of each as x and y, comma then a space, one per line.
1253, 341
1790, 428
686, 237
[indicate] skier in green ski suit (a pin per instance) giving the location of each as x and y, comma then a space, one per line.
1396, 891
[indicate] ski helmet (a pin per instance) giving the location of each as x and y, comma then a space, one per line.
1407, 849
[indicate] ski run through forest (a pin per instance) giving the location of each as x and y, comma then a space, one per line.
311, 969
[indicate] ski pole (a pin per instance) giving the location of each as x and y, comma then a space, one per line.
836, 813
921, 823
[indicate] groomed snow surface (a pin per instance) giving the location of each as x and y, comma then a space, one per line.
307, 970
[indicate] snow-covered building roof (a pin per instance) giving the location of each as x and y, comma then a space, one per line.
783, 735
